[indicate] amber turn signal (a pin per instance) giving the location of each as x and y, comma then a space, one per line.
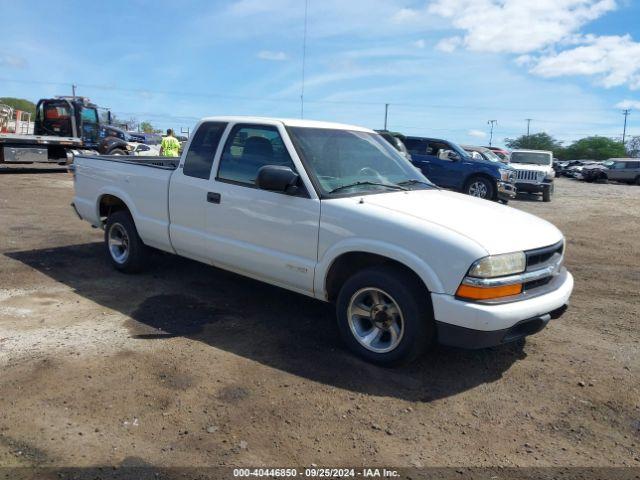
488, 293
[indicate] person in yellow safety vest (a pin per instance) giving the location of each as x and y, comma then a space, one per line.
170, 146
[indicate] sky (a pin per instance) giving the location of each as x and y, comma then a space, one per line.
445, 67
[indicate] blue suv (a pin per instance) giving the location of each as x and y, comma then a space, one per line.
449, 166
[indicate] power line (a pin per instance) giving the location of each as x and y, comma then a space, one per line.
304, 57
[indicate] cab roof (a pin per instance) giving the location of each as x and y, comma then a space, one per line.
288, 122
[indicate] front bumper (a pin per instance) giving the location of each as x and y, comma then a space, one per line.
479, 325
506, 190
534, 187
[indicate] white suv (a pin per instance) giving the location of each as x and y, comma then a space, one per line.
534, 172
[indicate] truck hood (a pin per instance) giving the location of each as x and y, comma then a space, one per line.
495, 227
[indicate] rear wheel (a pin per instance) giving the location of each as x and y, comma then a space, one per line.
480, 187
384, 316
123, 244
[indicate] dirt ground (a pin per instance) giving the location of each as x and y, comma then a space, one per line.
187, 365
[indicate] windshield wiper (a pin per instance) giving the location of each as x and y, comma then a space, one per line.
379, 184
413, 181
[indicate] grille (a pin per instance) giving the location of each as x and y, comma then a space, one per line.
531, 175
542, 257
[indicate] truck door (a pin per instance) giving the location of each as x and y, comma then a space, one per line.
188, 190
89, 126
448, 172
420, 156
268, 235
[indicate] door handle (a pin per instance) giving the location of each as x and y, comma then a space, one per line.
213, 197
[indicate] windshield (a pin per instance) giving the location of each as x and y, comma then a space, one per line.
351, 162
490, 155
534, 158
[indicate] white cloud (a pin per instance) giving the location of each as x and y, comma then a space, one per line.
405, 15
518, 26
628, 104
273, 56
613, 60
419, 43
477, 133
12, 61
449, 44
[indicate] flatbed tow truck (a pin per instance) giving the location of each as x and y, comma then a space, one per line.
62, 125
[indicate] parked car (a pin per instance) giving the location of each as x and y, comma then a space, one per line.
534, 172
146, 138
396, 141
593, 173
576, 170
625, 170
334, 212
114, 141
502, 153
144, 150
483, 153
448, 165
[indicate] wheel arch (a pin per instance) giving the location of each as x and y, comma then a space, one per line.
486, 176
346, 263
110, 202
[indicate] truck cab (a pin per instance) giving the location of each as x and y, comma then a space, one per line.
68, 117
448, 165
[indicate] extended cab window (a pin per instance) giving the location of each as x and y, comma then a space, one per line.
202, 150
248, 148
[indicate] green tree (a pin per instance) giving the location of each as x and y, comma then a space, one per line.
595, 148
146, 127
537, 141
20, 104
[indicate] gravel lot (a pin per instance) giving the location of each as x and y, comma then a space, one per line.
190, 365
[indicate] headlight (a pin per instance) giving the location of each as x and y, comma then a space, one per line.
550, 175
505, 175
499, 265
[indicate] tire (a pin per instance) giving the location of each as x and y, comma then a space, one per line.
413, 322
117, 151
480, 187
546, 195
637, 182
131, 255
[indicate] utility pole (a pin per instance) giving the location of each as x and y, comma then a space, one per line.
492, 123
626, 112
528, 124
73, 91
386, 114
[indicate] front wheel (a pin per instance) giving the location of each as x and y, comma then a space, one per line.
546, 195
385, 316
480, 187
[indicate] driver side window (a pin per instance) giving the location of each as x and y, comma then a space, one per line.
249, 148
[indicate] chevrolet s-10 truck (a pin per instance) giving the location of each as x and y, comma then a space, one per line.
334, 212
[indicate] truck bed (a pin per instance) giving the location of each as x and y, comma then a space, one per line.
141, 182
18, 139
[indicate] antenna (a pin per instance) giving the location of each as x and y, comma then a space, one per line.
304, 56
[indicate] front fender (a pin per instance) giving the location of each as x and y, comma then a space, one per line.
393, 252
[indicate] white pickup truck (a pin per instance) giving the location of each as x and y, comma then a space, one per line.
334, 212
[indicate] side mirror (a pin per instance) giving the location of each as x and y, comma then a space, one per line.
277, 178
